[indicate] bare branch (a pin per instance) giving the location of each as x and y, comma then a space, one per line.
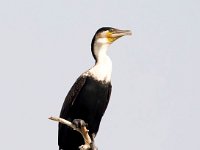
83, 130
66, 122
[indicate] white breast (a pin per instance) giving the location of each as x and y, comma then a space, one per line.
102, 70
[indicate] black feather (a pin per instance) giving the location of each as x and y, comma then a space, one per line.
87, 100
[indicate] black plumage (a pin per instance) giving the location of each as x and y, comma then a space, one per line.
87, 100
89, 96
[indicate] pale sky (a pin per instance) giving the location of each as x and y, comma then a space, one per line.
45, 46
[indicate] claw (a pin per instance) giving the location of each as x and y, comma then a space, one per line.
79, 123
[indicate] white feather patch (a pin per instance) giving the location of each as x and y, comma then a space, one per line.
102, 70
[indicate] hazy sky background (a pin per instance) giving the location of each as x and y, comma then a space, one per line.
45, 46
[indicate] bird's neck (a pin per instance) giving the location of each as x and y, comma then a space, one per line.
103, 66
100, 52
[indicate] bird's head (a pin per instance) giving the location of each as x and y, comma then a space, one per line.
107, 35
104, 37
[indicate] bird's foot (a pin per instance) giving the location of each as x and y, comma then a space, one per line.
79, 123
89, 141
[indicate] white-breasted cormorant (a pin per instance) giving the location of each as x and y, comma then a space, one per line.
89, 96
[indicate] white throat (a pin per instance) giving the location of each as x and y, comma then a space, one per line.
103, 67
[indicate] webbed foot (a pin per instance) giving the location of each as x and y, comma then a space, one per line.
79, 123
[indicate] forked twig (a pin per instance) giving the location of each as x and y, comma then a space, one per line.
83, 130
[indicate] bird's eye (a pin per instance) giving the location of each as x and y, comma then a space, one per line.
111, 30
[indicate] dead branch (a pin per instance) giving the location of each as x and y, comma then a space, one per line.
89, 144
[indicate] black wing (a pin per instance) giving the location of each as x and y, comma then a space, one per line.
71, 96
108, 97
97, 122
69, 100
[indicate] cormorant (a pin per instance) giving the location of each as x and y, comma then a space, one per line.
89, 96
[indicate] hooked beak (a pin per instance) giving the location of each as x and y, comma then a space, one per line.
119, 33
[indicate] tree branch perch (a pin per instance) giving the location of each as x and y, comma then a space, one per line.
89, 143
